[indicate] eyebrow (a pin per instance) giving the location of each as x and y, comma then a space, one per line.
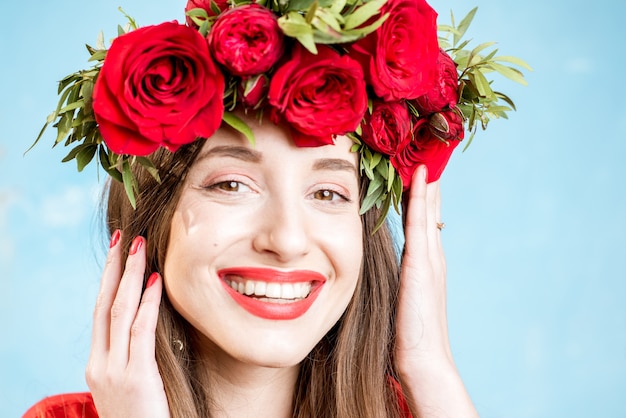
335, 164
253, 156
241, 153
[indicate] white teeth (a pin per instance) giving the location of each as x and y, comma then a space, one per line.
288, 291
260, 288
273, 290
249, 288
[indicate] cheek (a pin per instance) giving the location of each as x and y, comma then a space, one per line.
347, 248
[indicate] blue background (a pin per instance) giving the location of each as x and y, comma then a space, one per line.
535, 235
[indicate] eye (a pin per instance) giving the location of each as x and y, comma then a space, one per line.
329, 195
231, 186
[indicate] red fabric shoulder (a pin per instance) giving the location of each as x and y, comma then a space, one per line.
69, 405
404, 406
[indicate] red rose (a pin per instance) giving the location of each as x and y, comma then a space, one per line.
387, 126
422, 148
447, 124
319, 95
206, 5
253, 91
246, 40
399, 59
158, 87
445, 92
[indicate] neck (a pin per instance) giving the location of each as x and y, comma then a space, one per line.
238, 389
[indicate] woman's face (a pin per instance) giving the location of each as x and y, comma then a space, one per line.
265, 244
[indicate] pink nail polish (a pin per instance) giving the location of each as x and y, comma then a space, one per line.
115, 238
136, 245
152, 279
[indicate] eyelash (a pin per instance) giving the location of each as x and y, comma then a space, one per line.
229, 183
233, 186
331, 192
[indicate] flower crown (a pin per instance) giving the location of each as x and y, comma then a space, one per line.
375, 70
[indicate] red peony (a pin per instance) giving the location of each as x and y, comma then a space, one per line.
253, 91
158, 87
319, 95
386, 127
399, 59
445, 92
422, 148
447, 124
246, 40
206, 5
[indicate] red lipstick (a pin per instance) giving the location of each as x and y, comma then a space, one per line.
271, 310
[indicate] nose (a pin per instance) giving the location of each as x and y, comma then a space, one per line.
284, 232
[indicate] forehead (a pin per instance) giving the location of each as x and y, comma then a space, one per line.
273, 141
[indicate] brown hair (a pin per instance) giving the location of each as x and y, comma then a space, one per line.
346, 375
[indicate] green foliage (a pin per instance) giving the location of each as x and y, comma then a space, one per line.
385, 187
78, 130
330, 22
311, 22
479, 102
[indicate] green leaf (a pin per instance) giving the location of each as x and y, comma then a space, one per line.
310, 13
106, 165
337, 6
469, 141
513, 60
51, 117
308, 41
84, 157
464, 25
130, 183
64, 126
73, 152
375, 186
391, 178
328, 23
510, 73
70, 79
383, 214
99, 55
132, 21
482, 84
150, 167
240, 125
371, 200
73, 106
363, 14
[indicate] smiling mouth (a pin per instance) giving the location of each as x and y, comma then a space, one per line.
272, 294
270, 291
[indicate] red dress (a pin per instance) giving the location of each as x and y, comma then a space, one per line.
80, 405
69, 405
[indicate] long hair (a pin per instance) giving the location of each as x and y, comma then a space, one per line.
348, 372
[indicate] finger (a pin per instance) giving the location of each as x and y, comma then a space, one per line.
126, 303
442, 264
432, 215
434, 224
142, 336
416, 245
109, 283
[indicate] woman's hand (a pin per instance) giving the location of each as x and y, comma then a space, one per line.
122, 373
428, 376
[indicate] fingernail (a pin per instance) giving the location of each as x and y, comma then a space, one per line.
153, 278
425, 173
115, 238
136, 245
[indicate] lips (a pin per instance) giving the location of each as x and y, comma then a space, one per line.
272, 294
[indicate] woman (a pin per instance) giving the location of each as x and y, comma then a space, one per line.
250, 272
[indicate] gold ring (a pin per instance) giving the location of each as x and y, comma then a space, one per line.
440, 225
